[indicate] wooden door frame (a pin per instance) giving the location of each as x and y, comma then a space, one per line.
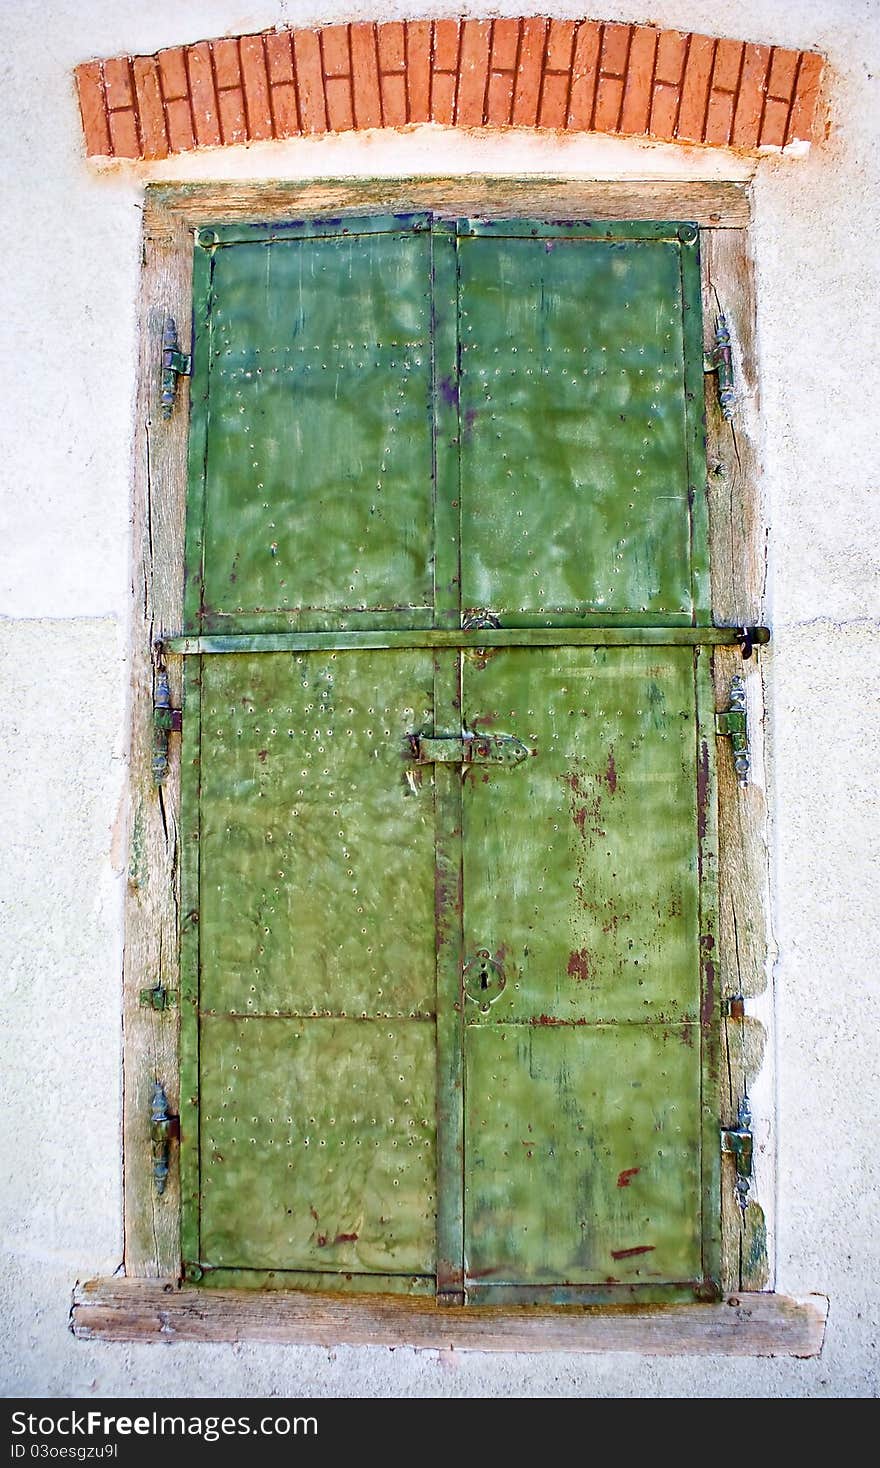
159, 847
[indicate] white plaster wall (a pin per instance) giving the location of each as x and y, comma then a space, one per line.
70, 236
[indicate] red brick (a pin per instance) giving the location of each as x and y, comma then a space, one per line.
671, 51
664, 111
340, 117
150, 109
636, 115
309, 82
172, 71
560, 44
499, 101
528, 79
719, 118
728, 60
418, 70
365, 76
750, 102
695, 89
394, 99
392, 46
802, 121
505, 43
783, 70
124, 133
609, 100
90, 86
284, 110
256, 87
443, 85
584, 75
279, 57
335, 50
615, 49
179, 118
774, 123
233, 122
206, 117
117, 83
474, 72
227, 68
554, 100
446, 45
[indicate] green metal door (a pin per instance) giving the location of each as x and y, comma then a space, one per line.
448, 1016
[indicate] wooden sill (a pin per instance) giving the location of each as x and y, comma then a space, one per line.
120, 1309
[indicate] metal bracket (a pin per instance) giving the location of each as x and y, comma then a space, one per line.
166, 720
732, 724
163, 1129
472, 618
468, 749
158, 997
739, 1143
720, 361
175, 364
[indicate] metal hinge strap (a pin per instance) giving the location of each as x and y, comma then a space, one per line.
738, 1141
164, 1128
732, 724
166, 720
175, 364
468, 748
720, 361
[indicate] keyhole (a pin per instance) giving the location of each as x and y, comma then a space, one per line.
484, 979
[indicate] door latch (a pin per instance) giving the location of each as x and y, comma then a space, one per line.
732, 724
468, 748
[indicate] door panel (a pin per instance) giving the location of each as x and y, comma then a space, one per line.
580, 866
575, 429
317, 858
583, 1155
317, 1144
319, 383
583, 1072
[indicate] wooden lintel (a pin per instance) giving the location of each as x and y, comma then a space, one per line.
713, 205
120, 1309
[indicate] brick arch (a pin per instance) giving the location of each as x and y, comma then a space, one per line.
568, 76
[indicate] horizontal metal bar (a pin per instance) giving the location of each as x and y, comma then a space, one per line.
478, 637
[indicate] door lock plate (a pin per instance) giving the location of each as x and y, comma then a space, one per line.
484, 979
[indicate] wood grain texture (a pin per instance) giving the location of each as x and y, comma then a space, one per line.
719, 205
151, 929
738, 559
742, 1325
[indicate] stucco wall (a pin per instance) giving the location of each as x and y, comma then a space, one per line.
71, 247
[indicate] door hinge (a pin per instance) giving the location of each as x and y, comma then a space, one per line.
732, 724
166, 720
158, 997
720, 361
164, 1128
175, 364
739, 1143
468, 749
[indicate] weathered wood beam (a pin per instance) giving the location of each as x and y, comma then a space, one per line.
742, 1325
